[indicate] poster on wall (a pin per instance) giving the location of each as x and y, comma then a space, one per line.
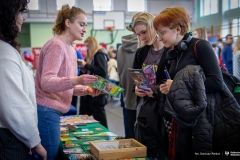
36, 53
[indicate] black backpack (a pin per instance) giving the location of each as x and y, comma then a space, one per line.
231, 81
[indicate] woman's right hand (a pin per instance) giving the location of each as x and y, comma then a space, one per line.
164, 88
85, 79
38, 149
139, 92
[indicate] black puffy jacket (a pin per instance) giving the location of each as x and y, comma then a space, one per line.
206, 122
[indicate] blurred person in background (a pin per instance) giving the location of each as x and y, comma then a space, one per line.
236, 59
94, 64
200, 33
227, 53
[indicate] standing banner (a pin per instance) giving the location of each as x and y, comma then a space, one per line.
36, 53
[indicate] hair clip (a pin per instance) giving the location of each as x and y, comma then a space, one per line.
131, 25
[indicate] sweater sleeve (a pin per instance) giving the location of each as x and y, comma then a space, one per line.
52, 61
207, 59
100, 65
79, 90
17, 111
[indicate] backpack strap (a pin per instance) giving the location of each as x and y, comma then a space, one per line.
195, 50
222, 67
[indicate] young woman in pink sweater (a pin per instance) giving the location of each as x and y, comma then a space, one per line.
56, 77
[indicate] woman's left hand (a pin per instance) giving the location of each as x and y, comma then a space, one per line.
92, 91
82, 63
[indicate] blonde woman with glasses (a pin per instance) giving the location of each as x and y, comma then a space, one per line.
151, 57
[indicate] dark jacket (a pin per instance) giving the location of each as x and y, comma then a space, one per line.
98, 66
206, 122
140, 56
150, 124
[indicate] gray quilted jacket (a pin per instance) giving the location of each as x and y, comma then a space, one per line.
206, 122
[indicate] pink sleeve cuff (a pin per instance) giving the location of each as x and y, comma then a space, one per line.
79, 90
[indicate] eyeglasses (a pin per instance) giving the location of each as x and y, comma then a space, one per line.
160, 35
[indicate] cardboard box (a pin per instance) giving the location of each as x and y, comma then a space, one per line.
123, 148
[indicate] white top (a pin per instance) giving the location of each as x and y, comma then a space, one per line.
18, 111
236, 64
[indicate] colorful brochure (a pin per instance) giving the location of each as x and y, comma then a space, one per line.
139, 78
76, 120
107, 87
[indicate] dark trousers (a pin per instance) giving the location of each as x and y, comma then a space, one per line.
125, 119
74, 101
131, 120
11, 148
95, 109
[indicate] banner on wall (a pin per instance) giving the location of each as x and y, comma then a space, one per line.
36, 53
213, 39
104, 45
82, 49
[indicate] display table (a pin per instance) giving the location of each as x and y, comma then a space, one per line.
93, 127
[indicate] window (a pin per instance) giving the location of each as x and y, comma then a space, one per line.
209, 7
33, 5
102, 5
60, 3
234, 4
132, 7
236, 27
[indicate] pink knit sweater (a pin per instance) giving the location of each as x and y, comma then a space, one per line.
57, 63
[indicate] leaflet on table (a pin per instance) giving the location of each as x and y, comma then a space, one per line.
81, 156
78, 143
101, 134
107, 87
139, 78
76, 120
73, 150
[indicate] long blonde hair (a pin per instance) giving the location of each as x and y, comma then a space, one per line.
202, 33
146, 19
93, 47
237, 46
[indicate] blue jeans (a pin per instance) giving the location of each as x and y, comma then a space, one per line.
49, 129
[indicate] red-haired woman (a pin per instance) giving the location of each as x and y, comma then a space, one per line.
172, 26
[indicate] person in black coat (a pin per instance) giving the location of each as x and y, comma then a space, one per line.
172, 25
95, 64
150, 129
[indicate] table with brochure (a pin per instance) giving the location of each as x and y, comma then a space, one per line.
75, 137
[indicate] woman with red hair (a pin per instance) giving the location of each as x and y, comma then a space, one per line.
173, 25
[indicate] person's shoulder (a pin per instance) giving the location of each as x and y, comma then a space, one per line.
143, 48
7, 51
